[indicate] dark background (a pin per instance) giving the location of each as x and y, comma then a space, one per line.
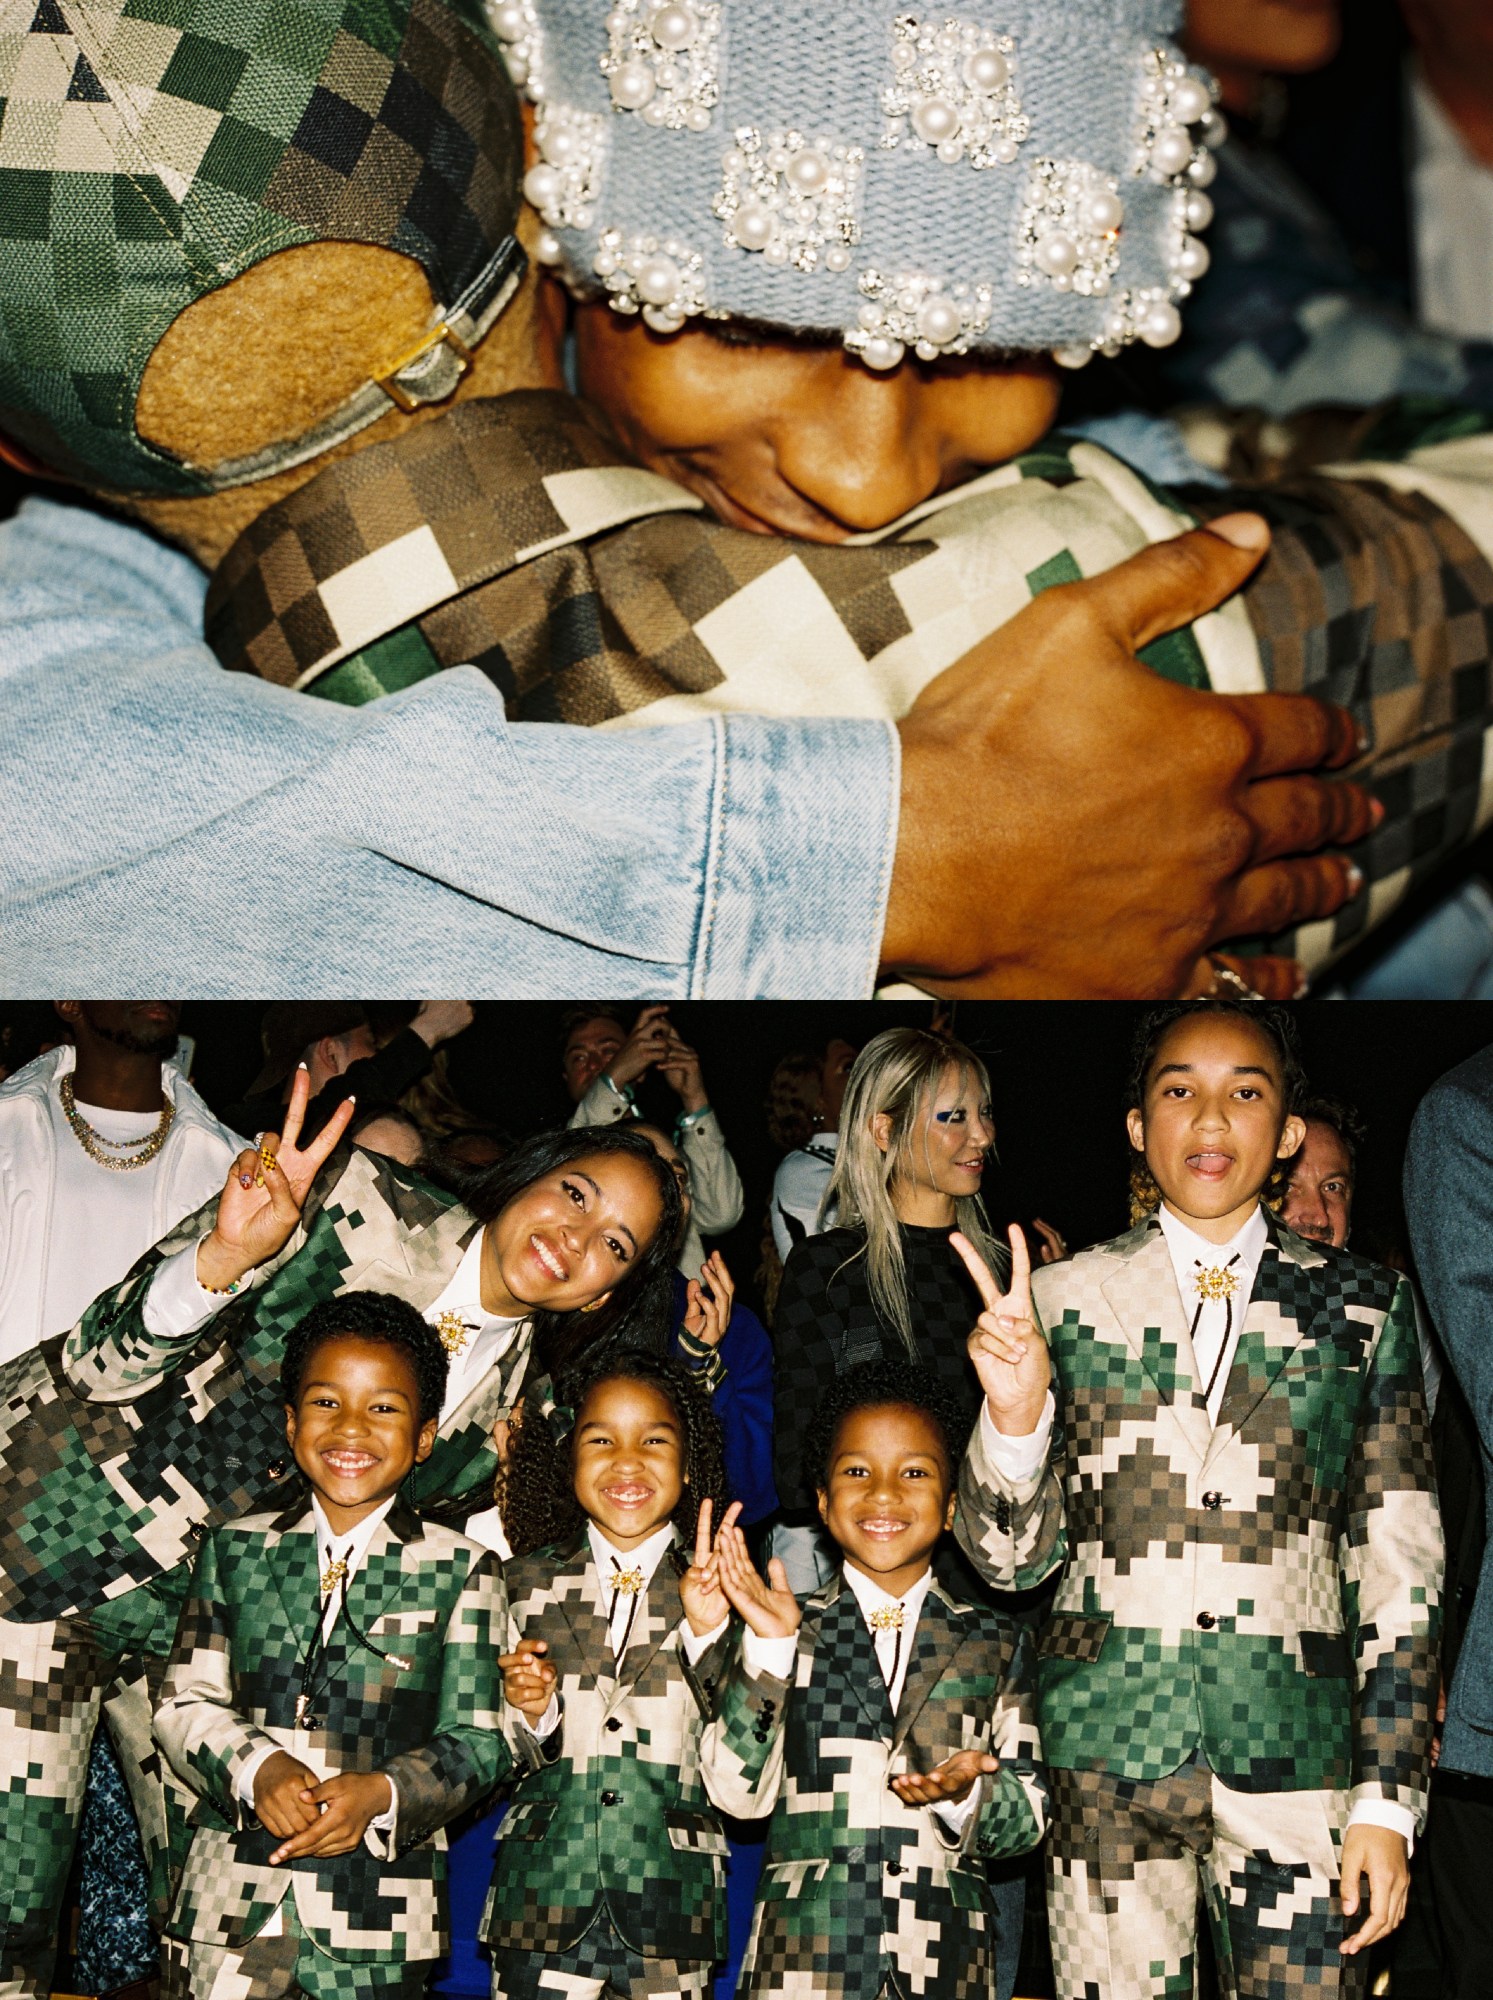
1057, 1072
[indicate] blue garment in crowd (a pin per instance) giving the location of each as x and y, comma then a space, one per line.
743, 1402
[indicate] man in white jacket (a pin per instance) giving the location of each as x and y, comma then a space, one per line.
104, 1147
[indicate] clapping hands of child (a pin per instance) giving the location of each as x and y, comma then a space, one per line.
528, 1678
949, 1783
721, 1579
311, 1815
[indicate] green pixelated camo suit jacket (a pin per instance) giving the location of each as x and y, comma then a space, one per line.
119, 1450
428, 1715
859, 1892
1265, 1589
619, 1808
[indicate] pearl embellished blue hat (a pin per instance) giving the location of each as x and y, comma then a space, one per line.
1021, 175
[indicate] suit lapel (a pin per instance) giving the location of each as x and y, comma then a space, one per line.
1142, 1293
1284, 1309
381, 1576
416, 1264
939, 1635
574, 1582
290, 1552
843, 1637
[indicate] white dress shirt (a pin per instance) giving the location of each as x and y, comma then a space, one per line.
1215, 1323
892, 1657
352, 1549
176, 1305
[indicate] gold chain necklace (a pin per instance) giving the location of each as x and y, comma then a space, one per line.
91, 1140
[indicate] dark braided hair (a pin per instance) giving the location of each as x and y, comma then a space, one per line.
639, 1312
873, 1385
374, 1316
537, 1486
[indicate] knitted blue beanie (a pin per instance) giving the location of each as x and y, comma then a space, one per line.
1027, 174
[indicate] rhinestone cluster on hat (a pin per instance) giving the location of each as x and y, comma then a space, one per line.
1172, 101
661, 61
662, 280
1068, 234
791, 198
953, 91
572, 152
516, 25
917, 311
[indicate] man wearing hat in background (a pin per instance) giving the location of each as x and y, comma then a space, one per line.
336, 1042
290, 253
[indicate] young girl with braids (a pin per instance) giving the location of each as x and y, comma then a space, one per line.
631, 1707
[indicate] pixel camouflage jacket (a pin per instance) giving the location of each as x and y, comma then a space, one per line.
616, 1808
423, 1593
1266, 1589
858, 1888
119, 1450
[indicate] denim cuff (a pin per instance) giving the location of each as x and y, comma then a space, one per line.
802, 840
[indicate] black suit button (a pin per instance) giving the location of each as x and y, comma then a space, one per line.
196, 1529
613, 1724
611, 1798
760, 1734
894, 1868
1207, 1620
275, 1469
1213, 1500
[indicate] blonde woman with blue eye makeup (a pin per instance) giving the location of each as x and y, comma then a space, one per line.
916, 1133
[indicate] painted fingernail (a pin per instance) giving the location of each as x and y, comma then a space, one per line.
1377, 810
300, 1065
1303, 986
1363, 740
1355, 878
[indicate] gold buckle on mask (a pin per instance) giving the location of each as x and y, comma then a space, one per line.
390, 383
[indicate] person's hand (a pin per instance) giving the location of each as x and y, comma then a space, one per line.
1075, 825
281, 1787
949, 1783
341, 1808
1054, 1247
705, 1603
266, 1188
770, 1609
438, 1020
679, 1067
1381, 1855
1009, 1354
528, 1678
646, 1045
707, 1308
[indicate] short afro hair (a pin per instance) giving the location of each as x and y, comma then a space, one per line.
873, 1385
374, 1316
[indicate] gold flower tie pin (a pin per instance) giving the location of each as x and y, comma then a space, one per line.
887, 1618
453, 1332
334, 1573
1215, 1281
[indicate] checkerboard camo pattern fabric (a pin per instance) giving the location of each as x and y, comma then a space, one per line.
510, 536
619, 1816
861, 1894
427, 1714
1266, 1589
118, 1451
153, 150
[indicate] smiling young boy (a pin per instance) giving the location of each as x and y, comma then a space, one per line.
1236, 1685
911, 1750
333, 1695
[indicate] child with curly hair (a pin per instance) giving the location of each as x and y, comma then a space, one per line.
631, 1720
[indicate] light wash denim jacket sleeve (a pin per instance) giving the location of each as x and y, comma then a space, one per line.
158, 814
